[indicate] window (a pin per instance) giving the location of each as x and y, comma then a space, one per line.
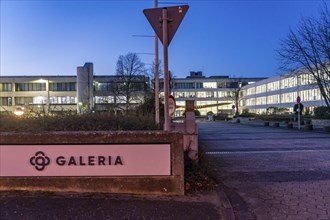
288, 82
261, 89
251, 91
105, 86
273, 86
6, 101
104, 99
30, 87
222, 85
23, 100
250, 102
189, 85
273, 99
137, 86
5, 87
70, 86
310, 95
261, 101
201, 95
63, 100
39, 100
222, 94
288, 97
233, 85
209, 85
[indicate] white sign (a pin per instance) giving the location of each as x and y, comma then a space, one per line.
85, 160
171, 105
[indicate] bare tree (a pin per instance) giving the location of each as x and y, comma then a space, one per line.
308, 48
153, 68
131, 80
235, 87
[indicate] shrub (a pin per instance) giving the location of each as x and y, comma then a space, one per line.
273, 117
85, 122
322, 112
197, 113
246, 113
199, 175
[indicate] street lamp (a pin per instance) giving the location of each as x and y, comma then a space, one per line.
19, 110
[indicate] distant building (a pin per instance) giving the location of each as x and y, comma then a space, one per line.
83, 93
211, 94
281, 91
86, 92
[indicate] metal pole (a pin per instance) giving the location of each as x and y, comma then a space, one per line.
156, 75
298, 110
166, 76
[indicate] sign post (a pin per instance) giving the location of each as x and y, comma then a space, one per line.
298, 110
157, 116
166, 76
165, 22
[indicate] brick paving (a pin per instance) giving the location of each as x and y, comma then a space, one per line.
271, 173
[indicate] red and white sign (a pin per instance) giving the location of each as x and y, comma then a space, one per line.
175, 16
171, 105
85, 160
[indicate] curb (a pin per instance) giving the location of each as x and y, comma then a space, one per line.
228, 211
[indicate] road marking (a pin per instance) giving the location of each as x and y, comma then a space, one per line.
261, 152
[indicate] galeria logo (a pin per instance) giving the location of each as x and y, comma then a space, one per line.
39, 161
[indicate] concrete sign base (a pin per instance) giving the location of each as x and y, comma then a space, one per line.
170, 180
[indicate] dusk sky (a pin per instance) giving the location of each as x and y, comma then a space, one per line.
235, 38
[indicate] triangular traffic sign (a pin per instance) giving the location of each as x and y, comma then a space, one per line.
175, 15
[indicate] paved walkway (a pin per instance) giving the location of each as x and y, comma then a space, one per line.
271, 173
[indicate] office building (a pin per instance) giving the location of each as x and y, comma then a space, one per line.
214, 94
84, 92
281, 92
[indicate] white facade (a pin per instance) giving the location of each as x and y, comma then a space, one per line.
281, 92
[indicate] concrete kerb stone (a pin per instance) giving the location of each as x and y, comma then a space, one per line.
227, 209
289, 125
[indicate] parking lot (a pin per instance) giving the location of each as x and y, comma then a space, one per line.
271, 173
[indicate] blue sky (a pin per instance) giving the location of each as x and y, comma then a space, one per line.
236, 38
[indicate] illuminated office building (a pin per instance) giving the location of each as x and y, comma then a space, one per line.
211, 94
84, 92
281, 91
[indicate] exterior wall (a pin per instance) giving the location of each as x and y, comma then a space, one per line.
85, 88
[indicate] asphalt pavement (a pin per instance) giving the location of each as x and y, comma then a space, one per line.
271, 172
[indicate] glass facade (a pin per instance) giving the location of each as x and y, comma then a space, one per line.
68, 86
6, 101
6, 87
63, 100
104, 99
30, 87
282, 92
